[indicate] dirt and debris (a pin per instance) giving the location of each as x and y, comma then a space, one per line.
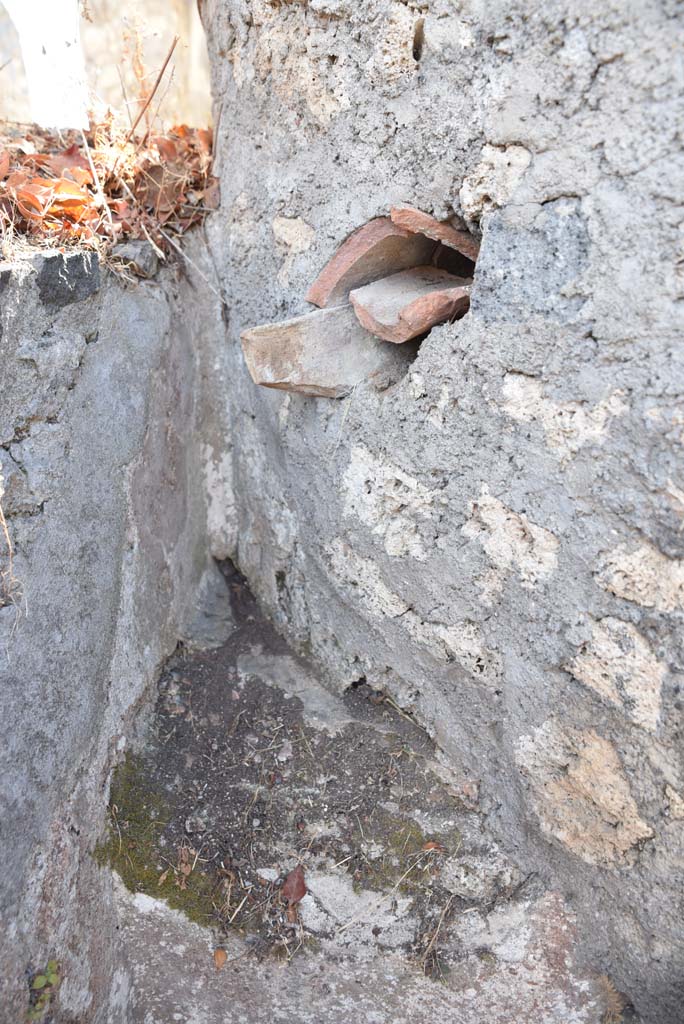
295, 819
321, 832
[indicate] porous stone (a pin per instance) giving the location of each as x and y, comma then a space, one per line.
581, 793
297, 236
675, 803
64, 278
409, 303
494, 180
326, 354
567, 426
396, 506
511, 542
644, 575
374, 250
618, 664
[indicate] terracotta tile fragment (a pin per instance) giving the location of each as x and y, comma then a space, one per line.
323, 353
407, 304
374, 250
411, 219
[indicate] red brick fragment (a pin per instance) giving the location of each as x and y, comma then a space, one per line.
324, 353
411, 219
404, 305
374, 250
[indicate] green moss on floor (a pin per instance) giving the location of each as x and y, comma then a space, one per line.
407, 861
407, 840
402, 842
137, 816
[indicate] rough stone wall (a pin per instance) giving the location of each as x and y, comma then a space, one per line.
103, 496
497, 540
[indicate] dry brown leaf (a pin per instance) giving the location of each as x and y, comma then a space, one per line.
106, 186
212, 194
294, 887
204, 139
71, 159
167, 147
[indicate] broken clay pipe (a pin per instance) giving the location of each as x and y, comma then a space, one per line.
407, 304
374, 250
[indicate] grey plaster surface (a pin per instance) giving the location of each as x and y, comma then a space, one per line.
104, 509
496, 539
171, 974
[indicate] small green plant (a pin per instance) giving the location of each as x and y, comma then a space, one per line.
42, 989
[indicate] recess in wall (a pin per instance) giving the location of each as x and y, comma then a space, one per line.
387, 285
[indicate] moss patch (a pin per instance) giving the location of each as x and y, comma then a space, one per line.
404, 863
137, 816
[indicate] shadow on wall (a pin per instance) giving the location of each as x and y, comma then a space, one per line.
123, 46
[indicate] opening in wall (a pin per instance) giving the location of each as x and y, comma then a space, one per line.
387, 285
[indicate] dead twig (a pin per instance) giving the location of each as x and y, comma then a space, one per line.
148, 101
238, 909
98, 184
435, 934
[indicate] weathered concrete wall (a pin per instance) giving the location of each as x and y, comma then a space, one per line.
497, 539
104, 503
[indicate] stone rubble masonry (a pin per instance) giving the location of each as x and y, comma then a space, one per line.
405, 305
325, 353
374, 250
415, 220
495, 540
537, 515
